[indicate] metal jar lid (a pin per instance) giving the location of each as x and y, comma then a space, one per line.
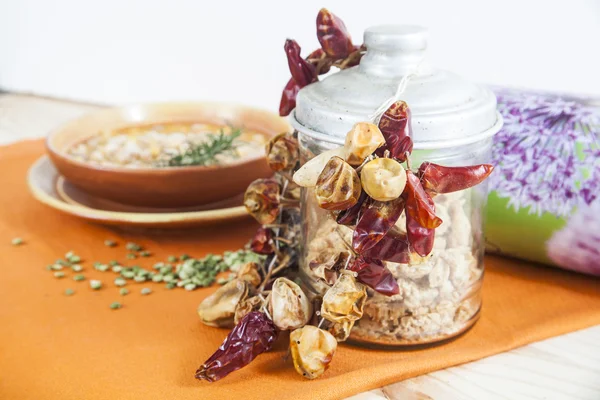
446, 109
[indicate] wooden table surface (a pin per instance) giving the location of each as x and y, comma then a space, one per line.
564, 367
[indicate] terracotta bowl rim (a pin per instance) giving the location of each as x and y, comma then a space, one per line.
162, 170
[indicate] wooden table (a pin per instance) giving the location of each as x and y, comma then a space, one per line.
565, 367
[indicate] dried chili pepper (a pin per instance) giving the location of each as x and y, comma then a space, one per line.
351, 215
439, 179
288, 305
262, 200
218, 309
282, 152
420, 238
312, 350
374, 274
338, 186
395, 127
288, 98
252, 336
419, 203
362, 140
333, 35
392, 247
375, 222
302, 71
262, 242
320, 60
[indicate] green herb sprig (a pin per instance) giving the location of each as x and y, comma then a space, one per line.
206, 153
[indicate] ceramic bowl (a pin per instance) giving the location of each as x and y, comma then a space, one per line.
170, 186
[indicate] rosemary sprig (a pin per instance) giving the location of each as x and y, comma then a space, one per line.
206, 153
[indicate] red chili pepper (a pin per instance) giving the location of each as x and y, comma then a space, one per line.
420, 239
302, 71
262, 242
393, 247
351, 215
253, 335
333, 35
439, 179
288, 98
395, 127
375, 275
375, 222
419, 204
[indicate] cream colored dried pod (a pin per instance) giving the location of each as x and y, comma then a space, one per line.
312, 350
249, 273
383, 179
308, 174
362, 140
345, 300
247, 306
341, 330
288, 305
218, 309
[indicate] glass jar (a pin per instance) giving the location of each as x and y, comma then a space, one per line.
453, 122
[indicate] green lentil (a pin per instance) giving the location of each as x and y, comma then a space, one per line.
190, 286
69, 292
117, 269
59, 274
158, 265
157, 278
102, 267
133, 246
95, 284
115, 305
110, 243
145, 291
139, 278
17, 241
145, 253
76, 268
62, 262
168, 278
120, 281
57, 267
79, 277
123, 291
127, 274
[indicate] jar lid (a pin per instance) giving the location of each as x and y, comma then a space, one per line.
446, 109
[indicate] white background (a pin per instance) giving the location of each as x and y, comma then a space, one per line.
121, 51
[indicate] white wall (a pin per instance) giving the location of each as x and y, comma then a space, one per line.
116, 51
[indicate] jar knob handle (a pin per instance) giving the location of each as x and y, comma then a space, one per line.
393, 50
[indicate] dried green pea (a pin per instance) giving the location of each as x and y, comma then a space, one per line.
123, 291
59, 274
120, 281
184, 257
133, 246
102, 267
79, 277
110, 243
139, 278
170, 285
17, 241
190, 286
131, 256
76, 268
145, 291
115, 305
145, 253
57, 267
95, 284
172, 259
117, 269
69, 292
157, 278
127, 274
113, 263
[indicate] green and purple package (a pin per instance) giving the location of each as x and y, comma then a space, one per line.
544, 202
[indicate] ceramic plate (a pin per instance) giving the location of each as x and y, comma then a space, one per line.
48, 187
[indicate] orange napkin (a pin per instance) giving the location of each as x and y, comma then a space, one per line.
54, 346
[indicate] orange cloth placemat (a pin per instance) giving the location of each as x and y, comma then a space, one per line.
54, 346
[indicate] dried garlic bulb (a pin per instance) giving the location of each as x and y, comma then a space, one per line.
338, 186
288, 305
362, 140
218, 309
312, 350
308, 174
345, 300
383, 179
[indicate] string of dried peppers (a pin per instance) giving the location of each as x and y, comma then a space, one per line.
367, 185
